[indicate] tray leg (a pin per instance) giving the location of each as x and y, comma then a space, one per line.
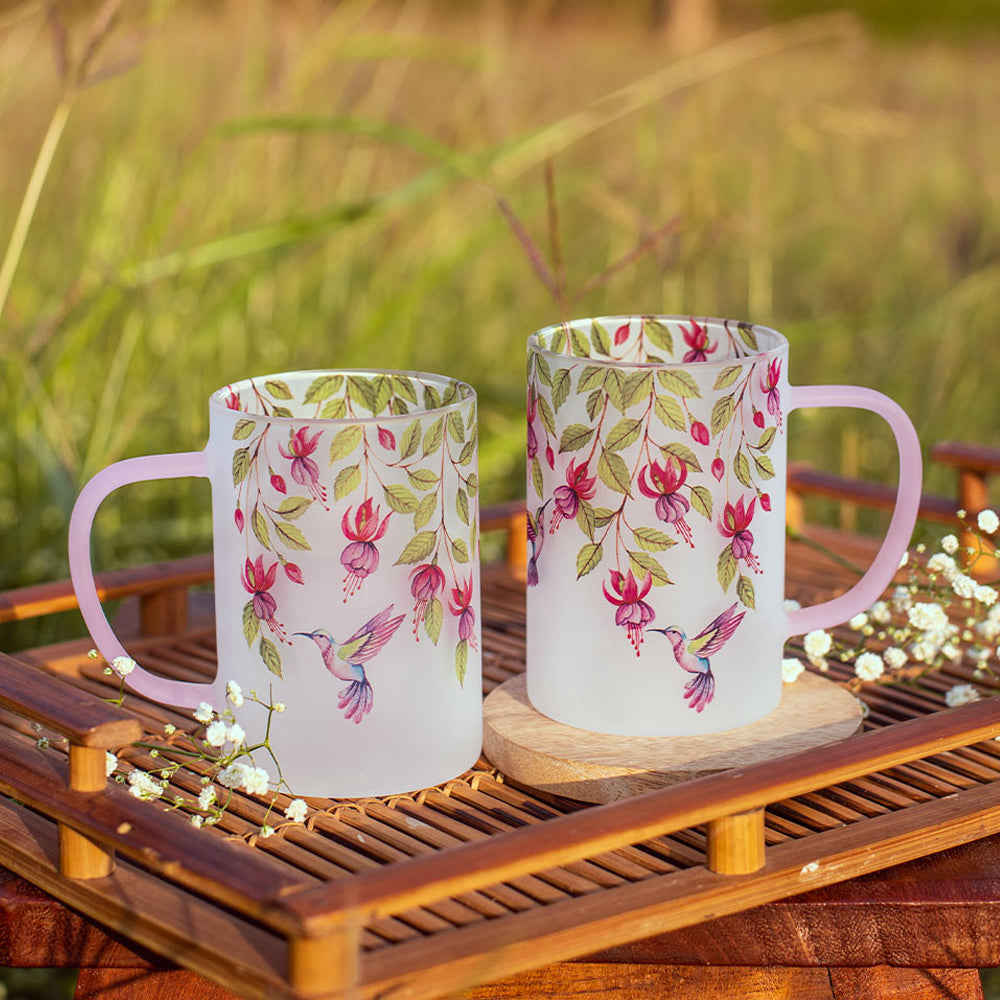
144, 984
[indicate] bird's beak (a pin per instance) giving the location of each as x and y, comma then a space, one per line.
308, 635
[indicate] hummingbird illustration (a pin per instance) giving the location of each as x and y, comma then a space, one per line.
346, 660
693, 655
536, 539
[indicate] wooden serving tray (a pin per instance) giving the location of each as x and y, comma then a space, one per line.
428, 894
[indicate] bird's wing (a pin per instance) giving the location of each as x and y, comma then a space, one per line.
371, 637
714, 636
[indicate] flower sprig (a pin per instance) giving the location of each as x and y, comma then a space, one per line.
217, 749
942, 615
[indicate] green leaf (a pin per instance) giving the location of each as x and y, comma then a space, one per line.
742, 467
643, 563
251, 625
670, 413
469, 451
748, 335
659, 334
382, 392
585, 519
433, 619
418, 548
578, 343
766, 439
433, 437
271, 657
472, 484
701, 501
398, 407
400, 499
727, 377
722, 413
614, 386
600, 339
726, 567
425, 511
243, 429
461, 660
595, 403
292, 536
548, 417
361, 391
638, 386
543, 369
459, 550
344, 442
402, 385
423, 479
241, 465
624, 433
410, 440
684, 454
456, 427
279, 389
603, 517
336, 409
294, 507
614, 472
574, 437
592, 377
347, 481
537, 482
652, 540
764, 466
322, 387
560, 388
281, 411
745, 592
462, 506
432, 398
259, 524
588, 558
680, 383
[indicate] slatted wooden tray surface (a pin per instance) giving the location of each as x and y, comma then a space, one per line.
479, 878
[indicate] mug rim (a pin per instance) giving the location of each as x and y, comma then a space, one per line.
534, 341
467, 395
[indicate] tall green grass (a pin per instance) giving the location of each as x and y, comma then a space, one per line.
249, 187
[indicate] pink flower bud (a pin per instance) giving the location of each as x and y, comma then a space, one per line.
550, 456
293, 572
699, 432
239, 519
765, 501
278, 483
621, 335
386, 438
758, 417
718, 468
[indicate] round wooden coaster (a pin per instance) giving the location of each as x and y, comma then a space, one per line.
595, 767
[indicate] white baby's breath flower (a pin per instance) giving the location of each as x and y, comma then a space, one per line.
215, 735
232, 776
234, 693
256, 780
988, 521
858, 622
904, 559
197, 820
206, 797
961, 694
902, 599
266, 831
817, 643
869, 666
110, 763
143, 786
169, 729
894, 657
790, 669
790, 605
949, 544
123, 665
204, 713
986, 595
960, 513
879, 613
964, 586
927, 615
279, 706
943, 564
236, 735
296, 810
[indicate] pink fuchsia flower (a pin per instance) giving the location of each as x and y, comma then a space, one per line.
304, 470
718, 468
663, 485
532, 413
699, 432
633, 613
697, 340
567, 498
231, 399
360, 557
459, 605
770, 386
735, 524
258, 582
426, 582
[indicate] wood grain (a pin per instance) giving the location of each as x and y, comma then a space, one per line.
593, 767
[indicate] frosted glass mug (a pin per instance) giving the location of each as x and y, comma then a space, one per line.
656, 503
346, 556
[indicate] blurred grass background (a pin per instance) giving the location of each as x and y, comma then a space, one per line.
250, 186
235, 188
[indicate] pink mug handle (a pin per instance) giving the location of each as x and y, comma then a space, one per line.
886, 563
186, 694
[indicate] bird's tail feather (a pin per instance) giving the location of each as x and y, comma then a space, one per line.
700, 690
356, 700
